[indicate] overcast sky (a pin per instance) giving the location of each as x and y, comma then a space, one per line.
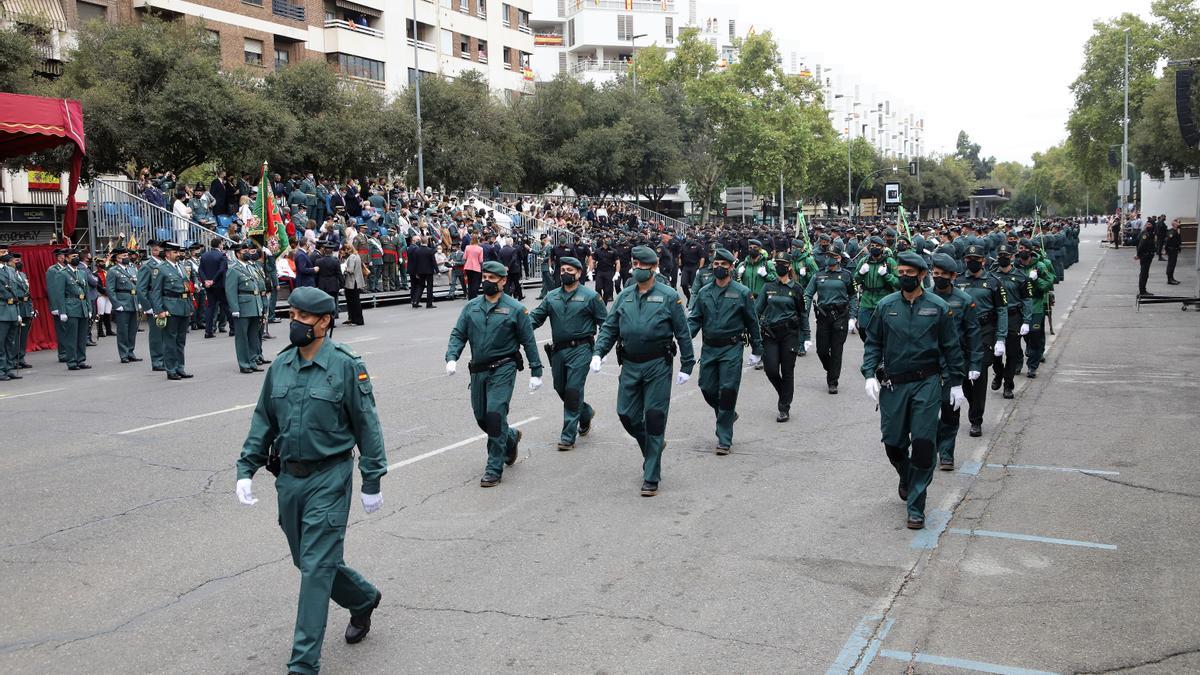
999, 70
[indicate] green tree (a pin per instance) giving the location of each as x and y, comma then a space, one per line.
18, 56
969, 152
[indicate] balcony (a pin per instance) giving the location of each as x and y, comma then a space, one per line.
287, 10
593, 65
353, 27
421, 44
657, 6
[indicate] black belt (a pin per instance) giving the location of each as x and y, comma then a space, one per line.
831, 309
722, 342
784, 326
914, 376
248, 293
486, 366
664, 352
559, 346
987, 319
306, 469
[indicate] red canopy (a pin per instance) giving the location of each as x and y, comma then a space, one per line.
33, 123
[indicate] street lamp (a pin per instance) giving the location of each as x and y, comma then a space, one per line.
417, 85
633, 56
1123, 184
869, 177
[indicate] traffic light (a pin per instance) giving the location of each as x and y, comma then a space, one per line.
912, 168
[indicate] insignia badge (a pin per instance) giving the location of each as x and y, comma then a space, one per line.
927, 311
654, 298
363, 377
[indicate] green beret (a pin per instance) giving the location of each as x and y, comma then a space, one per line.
645, 255
877, 240
1026, 243
723, 254
495, 268
798, 243
755, 242
912, 260
944, 262
573, 262
889, 232
312, 300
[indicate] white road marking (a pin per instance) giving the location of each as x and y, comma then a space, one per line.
4, 397
186, 419
367, 338
433, 453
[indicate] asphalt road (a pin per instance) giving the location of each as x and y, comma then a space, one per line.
125, 550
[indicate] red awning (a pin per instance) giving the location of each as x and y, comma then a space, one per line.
33, 123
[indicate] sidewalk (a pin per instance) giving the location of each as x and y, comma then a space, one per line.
1076, 546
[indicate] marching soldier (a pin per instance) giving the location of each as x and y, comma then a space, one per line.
991, 308
725, 312
497, 328
146, 276
1020, 314
964, 316
306, 438
575, 312
912, 334
876, 278
25, 306
1042, 277
67, 293
172, 304
780, 309
245, 303
121, 282
755, 271
645, 325
833, 298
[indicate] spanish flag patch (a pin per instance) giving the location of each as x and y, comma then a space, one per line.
363, 377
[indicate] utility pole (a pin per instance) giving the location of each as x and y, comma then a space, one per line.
849, 137
633, 58
1123, 184
781, 221
417, 84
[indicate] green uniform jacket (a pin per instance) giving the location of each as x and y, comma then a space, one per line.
704, 277
748, 273
990, 298
66, 290
913, 336
574, 315
831, 287
121, 282
145, 275
25, 300
309, 411
169, 292
269, 273
726, 312
10, 297
494, 331
645, 322
1042, 285
242, 289
780, 303
1018, 290
876, 286
803, 267
966, 320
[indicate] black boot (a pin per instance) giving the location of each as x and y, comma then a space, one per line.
361, 625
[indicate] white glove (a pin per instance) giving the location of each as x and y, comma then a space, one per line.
682, 378
852, 324
596, 364
883, 269
873, 389
973, 375
866, 267
371, 503
808, 344
451, 367
245, 493
754, 360
62, 317
1033, 275
957, 397
149, 312
999, 349
54, 312
803, 271
120, 309
535, 383
237, 315
1024, 329
762, 271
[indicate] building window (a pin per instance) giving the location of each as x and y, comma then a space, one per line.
670, 29
357, 66
464, 47
482, 11
90, 11
256, 3
507, 9
571, 33
624, 27
732, 30
253, 51
483, 55
508, 58
282, 58
447, 43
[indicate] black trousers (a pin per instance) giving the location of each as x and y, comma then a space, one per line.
473, 280
1172, 258
687, 278
976, 392
216, 299
779, 362
421, 282
1144, 275
604, 285
831, 338
1006, 368
354, 305
513, 285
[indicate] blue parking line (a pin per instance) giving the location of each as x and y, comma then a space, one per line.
971, 468
1031, 537
855, 644
1053, 468
965, 664
873, 647
935, 524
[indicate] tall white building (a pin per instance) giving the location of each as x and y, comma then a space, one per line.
595, 40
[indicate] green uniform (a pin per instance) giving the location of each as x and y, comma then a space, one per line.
645, 327
66, 292
780, 310
991, 302
28, 314
496, 332
146, 274
1042, 278
574, 319
876, 280
10, 320
727, 317
704, 277
245, 302
121, 283
919, 344
169, 293
1019, 292
264, 301
271, 277
313, 413
391, 255
51, 273
965, 317
833, 297
754, 273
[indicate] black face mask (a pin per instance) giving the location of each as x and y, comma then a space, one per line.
301, 334
1004, 260
489, 288
568, 279
720, 272
909, 284
902, 246
876, 252
974, 265
20, 266
941, 283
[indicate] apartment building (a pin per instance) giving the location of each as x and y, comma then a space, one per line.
595, 40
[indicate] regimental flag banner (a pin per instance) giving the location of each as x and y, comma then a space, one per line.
802, 225
267, 212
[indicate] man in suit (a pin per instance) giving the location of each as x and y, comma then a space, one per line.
306, 271
421, 266
217, 190
213, 265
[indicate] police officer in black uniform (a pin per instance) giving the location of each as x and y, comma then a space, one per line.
691, 258
604, 266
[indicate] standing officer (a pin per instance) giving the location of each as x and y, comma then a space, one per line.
52, 272
833, 297
67, 293
1020, 314
965, 317
1172, 245
604, 267
172, 304
991, 309
315, 405
912, 333
876, 277
244, 300
724, 310
645, 325
497, 328
1144, 254
270, 277
780, 308
25, 306
1042, 278
10, 319
147, 273
121, 282
624, 261
575, 312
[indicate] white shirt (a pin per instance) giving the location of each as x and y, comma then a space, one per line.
183, 211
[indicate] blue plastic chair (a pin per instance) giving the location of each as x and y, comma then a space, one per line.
110, 212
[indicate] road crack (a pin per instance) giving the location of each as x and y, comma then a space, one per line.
1139, 664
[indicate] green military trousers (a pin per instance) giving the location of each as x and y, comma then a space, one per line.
569, 370
61, 341
947, 430
155, 338
491, 392
126, 333
643, 401
908, 416
1035, 341
23, 341
174, 342
243, 342
312, 514
720, 377
74, 339
9, 330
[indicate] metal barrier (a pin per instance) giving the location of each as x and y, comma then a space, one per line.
118, 217
643, 212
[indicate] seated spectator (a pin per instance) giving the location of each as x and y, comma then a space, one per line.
285, 269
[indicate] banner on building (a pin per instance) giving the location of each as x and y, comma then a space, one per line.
42, 180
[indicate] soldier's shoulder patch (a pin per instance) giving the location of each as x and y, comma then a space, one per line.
679, 301
345, 349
